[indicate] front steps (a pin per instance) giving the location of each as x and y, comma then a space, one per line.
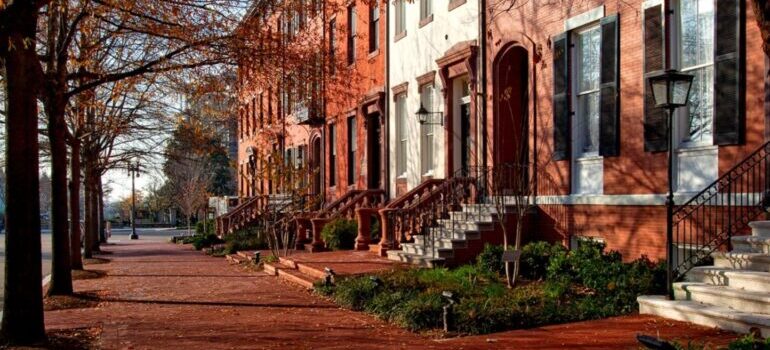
293, 272
733, 294
455, 240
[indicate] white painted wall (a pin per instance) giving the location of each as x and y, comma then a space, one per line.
415, 55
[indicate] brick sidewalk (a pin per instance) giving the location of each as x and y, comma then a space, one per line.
160, 295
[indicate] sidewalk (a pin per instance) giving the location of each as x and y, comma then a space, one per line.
161, 295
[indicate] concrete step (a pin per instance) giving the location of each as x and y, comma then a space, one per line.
296, 277
705, 315
443, 242
742, 261
247, 254
419, 260
760, 228
472, 217
754, 281
751, 244
732, 298
467, 225
419, 249
460, 234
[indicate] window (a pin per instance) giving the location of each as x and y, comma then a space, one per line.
587, 88
374, 26
332, 155
426, 131
401, 135
351, 34
696, 57
332, 44
426, 9
352, 150
400, 17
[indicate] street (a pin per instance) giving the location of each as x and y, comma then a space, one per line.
146, 234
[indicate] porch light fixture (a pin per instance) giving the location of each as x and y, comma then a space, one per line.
670, 90
425, 117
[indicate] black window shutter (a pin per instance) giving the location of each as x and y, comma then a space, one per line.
729, 111
655, 126
561, 105
609, 134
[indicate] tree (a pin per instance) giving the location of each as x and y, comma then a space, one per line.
22, 321
191, 177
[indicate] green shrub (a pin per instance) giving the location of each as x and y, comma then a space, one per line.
202, 241
424, 311
491, 259
535, 258
354, 292
210, 227
340, 234
246, 239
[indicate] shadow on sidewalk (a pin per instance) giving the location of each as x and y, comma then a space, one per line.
212, 303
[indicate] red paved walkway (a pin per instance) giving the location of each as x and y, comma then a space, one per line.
162, 295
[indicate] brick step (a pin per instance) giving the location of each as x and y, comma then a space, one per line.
235, 259
247, 254
760, 228
754, 281
742, 261
705, 315
751, 244
271, 268
732, 298
296, 277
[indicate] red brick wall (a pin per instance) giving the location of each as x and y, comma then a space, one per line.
634, 230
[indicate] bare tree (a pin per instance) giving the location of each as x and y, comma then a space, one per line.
191, 178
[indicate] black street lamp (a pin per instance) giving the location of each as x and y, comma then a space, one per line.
424, 116
670, 90
133, 171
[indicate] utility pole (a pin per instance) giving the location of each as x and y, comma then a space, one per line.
133, 170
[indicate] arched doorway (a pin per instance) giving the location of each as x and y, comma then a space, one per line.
511, 114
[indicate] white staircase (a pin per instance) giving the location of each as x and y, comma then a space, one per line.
450, 241
733, 294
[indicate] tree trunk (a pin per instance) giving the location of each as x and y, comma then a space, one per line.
100, 213
61, 273
75, 241
88, 235
95, 247
22, 321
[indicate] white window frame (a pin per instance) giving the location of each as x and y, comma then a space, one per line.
427, 132
588, 167
426, 9
402, 141
400, 16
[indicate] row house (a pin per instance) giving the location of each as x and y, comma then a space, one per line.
441, 120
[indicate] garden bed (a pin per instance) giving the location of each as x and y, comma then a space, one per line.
560, 286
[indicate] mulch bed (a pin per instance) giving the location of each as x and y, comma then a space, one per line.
70, 339
79, 300
87, 274
95, 261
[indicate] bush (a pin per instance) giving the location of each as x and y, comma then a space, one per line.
340, 234
491, 259
535, 258
209, 227
201, 241
246, 239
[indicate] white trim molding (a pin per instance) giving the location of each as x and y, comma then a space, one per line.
584, 18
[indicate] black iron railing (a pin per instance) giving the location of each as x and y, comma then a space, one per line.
706, 223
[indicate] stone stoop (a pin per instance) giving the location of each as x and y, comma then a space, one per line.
733, 294
454, 241
296, 273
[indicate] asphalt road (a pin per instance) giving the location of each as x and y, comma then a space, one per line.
148, 234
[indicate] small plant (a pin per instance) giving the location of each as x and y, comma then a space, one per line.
340, 234
208, 224
245, 239
202, 241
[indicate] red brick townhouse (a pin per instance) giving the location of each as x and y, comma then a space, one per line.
316, 100
577, 72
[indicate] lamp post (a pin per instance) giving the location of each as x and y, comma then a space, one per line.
670, 90
424, 116
133, 171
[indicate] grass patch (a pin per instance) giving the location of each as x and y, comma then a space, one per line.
583, 284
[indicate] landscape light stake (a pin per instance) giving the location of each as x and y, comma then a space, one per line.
448, 321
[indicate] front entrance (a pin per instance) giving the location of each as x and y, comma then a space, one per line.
374, 151
511, 107
315, 166
465, 138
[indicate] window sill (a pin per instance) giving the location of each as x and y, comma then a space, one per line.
589, 158
694, 147
453, 4
425, 21
399, 36
373, 54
